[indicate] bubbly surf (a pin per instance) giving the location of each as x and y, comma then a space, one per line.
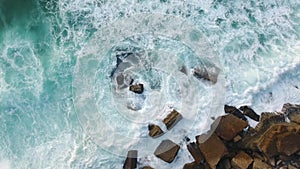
59, 107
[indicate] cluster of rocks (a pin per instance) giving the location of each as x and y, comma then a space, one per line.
232, 143
170, 121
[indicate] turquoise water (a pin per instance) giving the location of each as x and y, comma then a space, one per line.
55, 57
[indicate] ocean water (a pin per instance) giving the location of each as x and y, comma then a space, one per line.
60, 107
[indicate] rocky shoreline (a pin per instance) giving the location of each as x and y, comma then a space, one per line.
274, 143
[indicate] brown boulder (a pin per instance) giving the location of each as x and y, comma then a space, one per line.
212, 148
292, 111
155, 131
247, 111
259, 164
193, 165
172, 119
131, 160
137, 88
228, 126
195, 152
167, 150
280, 138
241, 161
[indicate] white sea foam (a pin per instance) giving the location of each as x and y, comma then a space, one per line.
256, 45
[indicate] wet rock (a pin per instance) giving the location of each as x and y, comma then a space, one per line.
131, 160
209, 74
212, 148
259, 164
280, 138
234, 111
268, 119
195, 152
193, 165
167, 150
172, 119
247, 111
241, 161
183, 70
224, 164
137, 88
292, 111
228, 126
155, 131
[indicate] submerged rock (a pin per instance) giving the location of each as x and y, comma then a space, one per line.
247, 111
155, 131
131, 160
147, 167
137, 88
172, 119
167, 151
210, 74
212, 148
228, 126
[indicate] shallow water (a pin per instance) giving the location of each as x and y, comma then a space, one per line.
59, 107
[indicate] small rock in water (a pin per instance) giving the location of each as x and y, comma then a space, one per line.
131, 160
234, 111
155, 131
167, 150
138, 88
249, 112
172, 119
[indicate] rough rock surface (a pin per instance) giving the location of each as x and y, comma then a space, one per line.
167, 150
131, 160
241, 161
292, 111
155, 131
229, 126
212, 148
280, 138
172, 119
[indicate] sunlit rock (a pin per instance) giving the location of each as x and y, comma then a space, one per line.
167, 151
172, 119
